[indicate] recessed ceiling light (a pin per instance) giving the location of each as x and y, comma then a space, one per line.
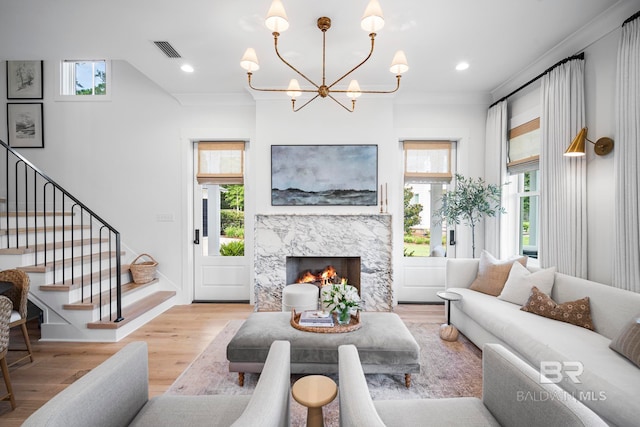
187, 68
462, 66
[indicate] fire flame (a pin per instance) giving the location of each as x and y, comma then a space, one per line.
326, 276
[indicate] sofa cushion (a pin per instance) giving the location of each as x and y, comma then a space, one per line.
521, 280
189, 411
575, 312
461, 411
628, 342
493, 273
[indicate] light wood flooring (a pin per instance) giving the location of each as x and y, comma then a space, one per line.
175, 339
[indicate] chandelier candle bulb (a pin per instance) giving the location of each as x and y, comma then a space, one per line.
249, 60
399, 64
372, 20
294, 89
277, 20
353, 91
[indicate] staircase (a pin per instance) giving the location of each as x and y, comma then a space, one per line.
73, 258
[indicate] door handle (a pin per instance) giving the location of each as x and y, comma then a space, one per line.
196, 241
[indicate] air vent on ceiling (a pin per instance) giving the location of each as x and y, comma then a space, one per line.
167, 49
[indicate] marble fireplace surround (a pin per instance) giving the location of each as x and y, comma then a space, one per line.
366, 236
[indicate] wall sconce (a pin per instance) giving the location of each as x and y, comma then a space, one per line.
601, 147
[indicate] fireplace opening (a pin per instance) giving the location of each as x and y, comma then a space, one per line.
323, 270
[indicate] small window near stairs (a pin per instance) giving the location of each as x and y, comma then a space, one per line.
84, 80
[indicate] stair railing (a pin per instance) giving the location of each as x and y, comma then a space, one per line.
30, 192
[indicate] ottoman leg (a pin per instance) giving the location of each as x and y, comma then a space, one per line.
407, 380
241, 379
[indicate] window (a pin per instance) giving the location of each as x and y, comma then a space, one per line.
85, 79
523, 166
221, 174
427, 172
528, 199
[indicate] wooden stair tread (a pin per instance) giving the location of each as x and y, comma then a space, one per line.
76, 282
105, 296
22, 214
41, 229
133, 311
21, 250
66, 262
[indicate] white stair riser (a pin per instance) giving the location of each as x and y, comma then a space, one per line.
50, 237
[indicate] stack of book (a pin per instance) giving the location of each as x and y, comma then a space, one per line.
317, 319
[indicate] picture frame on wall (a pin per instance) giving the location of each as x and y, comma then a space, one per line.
324, 175
25, 125
24, 79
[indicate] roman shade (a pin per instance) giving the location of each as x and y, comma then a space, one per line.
524, 147
220, 163
427, 161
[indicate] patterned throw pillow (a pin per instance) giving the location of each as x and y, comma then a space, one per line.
628, 342
576, 312
493, 273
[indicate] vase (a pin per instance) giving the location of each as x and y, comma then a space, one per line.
344, 317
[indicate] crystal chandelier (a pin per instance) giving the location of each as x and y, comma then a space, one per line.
277, 22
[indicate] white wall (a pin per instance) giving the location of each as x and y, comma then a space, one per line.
600, 95
129, 159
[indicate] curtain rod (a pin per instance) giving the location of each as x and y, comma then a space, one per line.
571, 58
631, 18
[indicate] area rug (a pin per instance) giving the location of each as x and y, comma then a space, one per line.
447, 369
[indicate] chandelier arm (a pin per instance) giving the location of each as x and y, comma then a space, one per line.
277, 90
353, 104
275, 44
373, 91
372, 35
303, 105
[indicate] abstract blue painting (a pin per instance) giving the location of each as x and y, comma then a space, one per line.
323, 175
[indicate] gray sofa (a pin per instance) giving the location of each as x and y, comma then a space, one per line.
609, 383
116, 394
512, 395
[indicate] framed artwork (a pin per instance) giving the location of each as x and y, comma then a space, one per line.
25, 125
24, 79
321, 175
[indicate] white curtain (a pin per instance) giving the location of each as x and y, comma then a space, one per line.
626, 265
563, 219
495, 172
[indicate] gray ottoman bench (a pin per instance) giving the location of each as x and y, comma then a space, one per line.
384, 344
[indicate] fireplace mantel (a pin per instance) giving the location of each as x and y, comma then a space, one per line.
278, 236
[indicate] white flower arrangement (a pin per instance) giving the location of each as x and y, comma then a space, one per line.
341, 296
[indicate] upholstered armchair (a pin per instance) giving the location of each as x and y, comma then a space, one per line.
18, 295
5, 314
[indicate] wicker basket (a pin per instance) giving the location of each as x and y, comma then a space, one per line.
145, 271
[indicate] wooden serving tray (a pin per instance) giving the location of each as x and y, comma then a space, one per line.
336, 329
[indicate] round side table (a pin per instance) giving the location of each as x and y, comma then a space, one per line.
448, 332
314, 391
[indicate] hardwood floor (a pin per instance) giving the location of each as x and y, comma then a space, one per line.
175, 339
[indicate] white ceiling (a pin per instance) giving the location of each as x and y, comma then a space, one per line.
499, 38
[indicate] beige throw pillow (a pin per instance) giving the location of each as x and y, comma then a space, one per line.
520, 281
493, 273
576, 312
628, 342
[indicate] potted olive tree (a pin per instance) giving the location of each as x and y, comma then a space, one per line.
469, 202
